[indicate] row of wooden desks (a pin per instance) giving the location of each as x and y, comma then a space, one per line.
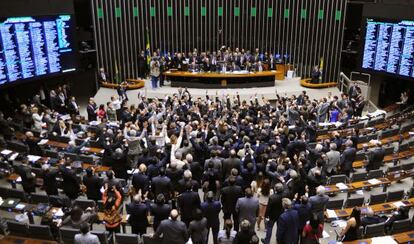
376, 208
348, 131
387, 158
358, 185
400, 238
386, 140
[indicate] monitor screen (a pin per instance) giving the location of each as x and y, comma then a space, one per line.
389, 47
32, 47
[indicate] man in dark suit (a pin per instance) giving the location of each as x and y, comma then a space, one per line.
288, 224
172, 230
102, 75
233, 162
71, 186
28, 179
160, 210
93, 185
376, 157
229, 196
161, 184
211, 210
273, 211
49, 180
138, 213
91, 110
140, 180
347, 158
318, 203
188, 202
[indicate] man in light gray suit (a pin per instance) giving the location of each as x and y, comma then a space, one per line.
248, 208
318, 203
333, 157
85, 236
323, 110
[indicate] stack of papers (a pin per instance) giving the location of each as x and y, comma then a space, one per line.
19, 179
331, 214
20, 206
59, 213
382, 240
6, 152
33, 158
42, 142
374, 181
13, 156
85, 148
398, 204
341, 186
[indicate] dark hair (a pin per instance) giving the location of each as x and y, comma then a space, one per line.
160, 198
84, 228
76, 213
314, 223
356, 213
89, 171
265, 187
198, 215
228, 225
110, 174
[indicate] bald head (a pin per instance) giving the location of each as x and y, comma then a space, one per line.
174, 214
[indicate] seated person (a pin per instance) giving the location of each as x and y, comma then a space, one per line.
77, 217
85, 236
402, 213
371, 218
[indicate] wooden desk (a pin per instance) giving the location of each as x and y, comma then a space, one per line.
377, 208
23, 240
220, 80
98, 168
387, 158
362, 241
348, 131
63, 145
386, 140
404, 237
354, 186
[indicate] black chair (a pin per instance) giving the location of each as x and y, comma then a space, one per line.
102, 235
59, 201
126, 238
403, 147
400, 226
67, 235
394, 168
410, 193
17, 146
87, 159
389, 150
378, 173
360, 156
4, 192
358, 176
407, 166
16, 193
377, 198
395, 195
72, 156
354, 201
40, 232
335, 204
337, 179
17, 229
51, 154
374, 230
36, 198
85, 203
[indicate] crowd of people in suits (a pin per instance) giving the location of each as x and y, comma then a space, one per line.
250, 159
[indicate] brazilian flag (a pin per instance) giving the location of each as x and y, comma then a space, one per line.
148, 48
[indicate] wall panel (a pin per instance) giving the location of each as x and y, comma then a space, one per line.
302, 31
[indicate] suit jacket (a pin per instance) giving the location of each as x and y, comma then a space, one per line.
248, 208
70, 183
91, 110
211, 211
138, 213
347, 158
160, 212
229, 197
140, 182
288, 227
229, 164
50, 182
188, 201
93, 187
274, 206
198, 231
375, 158
333, 160
318, 205
28, 180
161, 184
172, 231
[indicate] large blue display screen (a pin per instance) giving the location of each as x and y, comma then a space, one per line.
33, 47
389, 47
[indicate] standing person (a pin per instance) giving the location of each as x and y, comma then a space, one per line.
288, 224
227, 235
245, 234
37, 120
142, 65
154, 72
350, 232
273, 210
138, 213
248, 207
229, 196
188, 202
93, 184
318, 203
85, 237
263, 194
91, 110
211, 210
112, 200
172, 230
333, 158
197, 229
347, 158
312, 231
160, 210
101, 112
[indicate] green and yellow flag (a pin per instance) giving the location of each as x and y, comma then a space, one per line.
117, 74
148, 48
